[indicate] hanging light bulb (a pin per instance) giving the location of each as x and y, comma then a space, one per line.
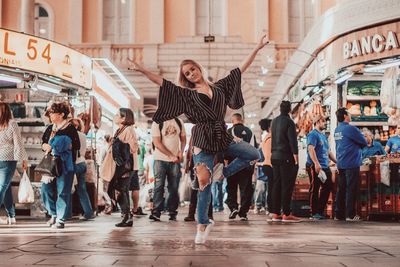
264, 71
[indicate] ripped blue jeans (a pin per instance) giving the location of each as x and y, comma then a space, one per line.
244, 155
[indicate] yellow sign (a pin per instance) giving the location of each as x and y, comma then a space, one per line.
18, 50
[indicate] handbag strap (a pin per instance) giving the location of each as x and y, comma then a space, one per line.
119, 131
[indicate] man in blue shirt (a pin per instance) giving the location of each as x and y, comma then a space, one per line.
374, 148
318, 156
349, 142
393, 144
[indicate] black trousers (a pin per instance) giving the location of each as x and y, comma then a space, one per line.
319, 192
243, 179
285, 173
346, 195
121, 183
267, 170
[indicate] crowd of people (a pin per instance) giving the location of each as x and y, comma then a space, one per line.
220, 161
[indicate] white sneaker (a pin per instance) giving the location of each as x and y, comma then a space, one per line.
199, 239
209, 227
11, 221
257, 211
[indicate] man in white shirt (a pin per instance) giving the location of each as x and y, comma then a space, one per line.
169, 140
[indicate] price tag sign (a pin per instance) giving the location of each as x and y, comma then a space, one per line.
31, 53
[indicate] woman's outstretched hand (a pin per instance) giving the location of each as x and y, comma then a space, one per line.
263, 42
134, 66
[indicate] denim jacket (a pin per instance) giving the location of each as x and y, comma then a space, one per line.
61, 146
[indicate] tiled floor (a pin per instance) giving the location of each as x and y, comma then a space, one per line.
253, 243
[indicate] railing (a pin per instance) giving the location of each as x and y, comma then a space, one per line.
117, 53
283, 52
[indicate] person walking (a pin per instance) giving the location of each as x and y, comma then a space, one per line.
80, 171
205, 104
60, 138
12, 151
284, 159
349, 143
243, 178
318, 156
169, 139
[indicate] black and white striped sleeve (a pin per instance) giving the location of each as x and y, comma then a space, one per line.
172, 102
231, 86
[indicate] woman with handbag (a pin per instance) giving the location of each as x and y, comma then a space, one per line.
12, 151
121, 176
58, 206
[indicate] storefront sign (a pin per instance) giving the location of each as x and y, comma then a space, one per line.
376, 43
18, 50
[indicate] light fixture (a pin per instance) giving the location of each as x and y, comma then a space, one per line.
10, 79
121, 76
104, 103
382, 66
260, 83
48, 89
110, 88
264, 70
343, 77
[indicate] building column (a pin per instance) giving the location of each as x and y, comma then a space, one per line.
262, 18
285, 20
27, 18
157, 21
1, 12
75, 19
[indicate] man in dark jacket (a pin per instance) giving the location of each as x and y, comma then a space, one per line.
243, 178
284, 161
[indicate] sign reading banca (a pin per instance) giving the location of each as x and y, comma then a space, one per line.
376, 43
31, 53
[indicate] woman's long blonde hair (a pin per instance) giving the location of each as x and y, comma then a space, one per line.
182, 81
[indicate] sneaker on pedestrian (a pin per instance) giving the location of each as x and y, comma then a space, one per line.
209, 227
58, 225
233, 214
155, 218
139, 212
290, 219
51, 221
199, 239
172, 217
11, 221
356, 218
276, 217
87, 218
244, 218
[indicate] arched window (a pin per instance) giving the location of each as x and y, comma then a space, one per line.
117, 21
211, 17
42, 27
301, 19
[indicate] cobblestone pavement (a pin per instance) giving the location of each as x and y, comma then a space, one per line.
231, 243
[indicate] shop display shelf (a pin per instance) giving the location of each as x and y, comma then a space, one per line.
369, 123
381, 118
33, 146
362, 97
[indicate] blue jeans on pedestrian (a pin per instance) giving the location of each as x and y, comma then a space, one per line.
346, 194
243, 154
261, 194
218, 195
7, 169
56, 196
80, 171
164, 170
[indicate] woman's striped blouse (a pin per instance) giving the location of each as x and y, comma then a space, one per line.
209, 132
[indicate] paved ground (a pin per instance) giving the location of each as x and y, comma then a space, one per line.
253, 243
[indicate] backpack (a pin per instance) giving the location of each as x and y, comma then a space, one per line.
121, 153
161, 125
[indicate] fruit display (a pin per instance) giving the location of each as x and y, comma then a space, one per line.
364, 88
392, 158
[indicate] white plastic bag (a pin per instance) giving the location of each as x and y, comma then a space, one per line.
25, 191
322, 176
185, 187
385, 173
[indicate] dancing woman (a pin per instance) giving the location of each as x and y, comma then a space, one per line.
204, 104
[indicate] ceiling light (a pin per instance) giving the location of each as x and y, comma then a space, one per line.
382, 66
264, 70
344, 77
105, 104
10, 79
48, 88
121, 76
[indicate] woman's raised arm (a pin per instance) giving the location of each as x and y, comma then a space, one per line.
250, 58
155, 78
